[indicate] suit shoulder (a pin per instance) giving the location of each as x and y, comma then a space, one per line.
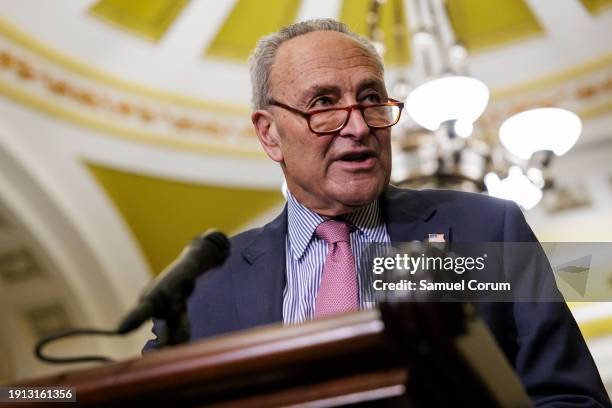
477, 216
463, 199
244, 238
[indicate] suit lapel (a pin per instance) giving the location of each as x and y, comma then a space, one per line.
259, 283
410, 216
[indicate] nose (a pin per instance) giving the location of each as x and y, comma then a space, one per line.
356, 127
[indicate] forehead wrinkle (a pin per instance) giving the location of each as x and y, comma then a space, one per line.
323, 78
332, 62
298, 63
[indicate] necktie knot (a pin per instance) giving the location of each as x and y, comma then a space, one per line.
333, 231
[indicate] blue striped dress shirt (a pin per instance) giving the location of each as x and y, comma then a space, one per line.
305, 256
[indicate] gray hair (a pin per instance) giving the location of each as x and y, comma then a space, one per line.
262, 58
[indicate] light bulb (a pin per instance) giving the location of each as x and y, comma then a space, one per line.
463, 129
515, 187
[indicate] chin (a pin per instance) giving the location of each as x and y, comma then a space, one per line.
359, 194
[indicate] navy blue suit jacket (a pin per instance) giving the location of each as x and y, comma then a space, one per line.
541, 340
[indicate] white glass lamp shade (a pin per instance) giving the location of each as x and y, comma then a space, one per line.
449, 98
516, 187
539, 129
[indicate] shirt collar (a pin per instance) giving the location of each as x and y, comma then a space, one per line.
302, 223
366, 219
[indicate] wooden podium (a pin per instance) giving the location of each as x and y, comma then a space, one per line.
402, 354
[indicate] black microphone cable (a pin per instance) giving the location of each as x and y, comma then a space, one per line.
40, 345
165, 298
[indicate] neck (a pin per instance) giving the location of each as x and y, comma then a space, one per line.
331, 210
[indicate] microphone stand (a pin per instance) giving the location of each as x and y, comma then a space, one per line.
175, 330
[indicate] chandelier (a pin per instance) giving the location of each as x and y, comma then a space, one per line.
439, 143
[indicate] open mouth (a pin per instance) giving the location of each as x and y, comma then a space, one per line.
357, 157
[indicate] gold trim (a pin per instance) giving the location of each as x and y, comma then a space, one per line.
120, 132
596, 111
555, 78
99, 101
580, 305
35, 46
39, 103
20, 37
596, 328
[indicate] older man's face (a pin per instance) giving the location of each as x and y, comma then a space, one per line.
331, 174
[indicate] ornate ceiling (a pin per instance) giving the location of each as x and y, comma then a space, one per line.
129, 120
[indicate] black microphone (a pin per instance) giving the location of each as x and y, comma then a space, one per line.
167, 293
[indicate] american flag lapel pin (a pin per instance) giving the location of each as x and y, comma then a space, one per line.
436, 238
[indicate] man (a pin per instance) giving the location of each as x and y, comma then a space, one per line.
322, 112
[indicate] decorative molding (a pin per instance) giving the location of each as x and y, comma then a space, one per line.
47, 81
589, 94
18, 37
593, 318
555, 78
41, 85
18, 266
596, 328
566, 198
47, 319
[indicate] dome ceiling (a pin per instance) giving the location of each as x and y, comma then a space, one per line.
172, 75
198, 48
173, 72
132, 117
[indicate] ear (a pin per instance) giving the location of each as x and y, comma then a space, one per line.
267, 134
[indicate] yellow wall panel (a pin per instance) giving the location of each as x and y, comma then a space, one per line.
595, 6
392, 16
163, 215
148, 18
485, 23
247, 22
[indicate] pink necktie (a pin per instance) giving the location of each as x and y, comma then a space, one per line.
338, 288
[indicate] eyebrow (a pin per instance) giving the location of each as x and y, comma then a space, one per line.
319, 90
371, 84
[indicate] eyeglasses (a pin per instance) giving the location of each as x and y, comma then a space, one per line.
332, 120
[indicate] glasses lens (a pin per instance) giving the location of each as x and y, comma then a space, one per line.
381, 116
327, 121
